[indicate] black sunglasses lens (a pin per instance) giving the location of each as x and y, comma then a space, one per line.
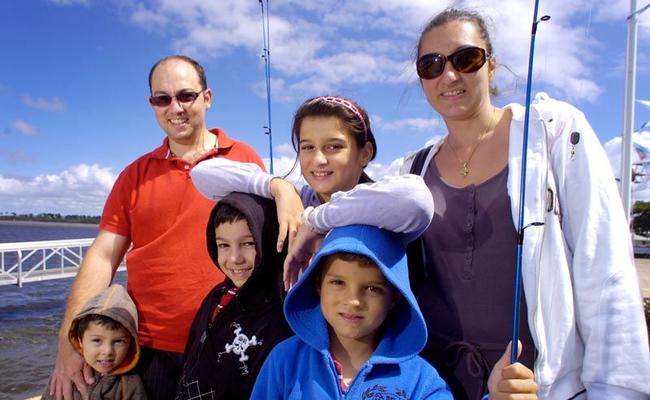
468, 60
187, 97
160, 101
430, 66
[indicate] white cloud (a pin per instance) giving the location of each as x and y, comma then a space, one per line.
148, 19
70, 2
320, 47
279, 90
24, 128
81, 189
284, 165
410, 124
54, 105
285, 149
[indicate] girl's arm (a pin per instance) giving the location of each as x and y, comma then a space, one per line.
396, 203
215, 178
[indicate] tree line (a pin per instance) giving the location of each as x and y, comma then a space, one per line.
641, 221
50, 217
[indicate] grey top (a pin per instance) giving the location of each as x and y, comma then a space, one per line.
470, 249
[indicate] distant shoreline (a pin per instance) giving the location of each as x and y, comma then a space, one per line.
47, 223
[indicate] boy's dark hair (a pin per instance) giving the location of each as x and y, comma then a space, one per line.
227, 213
101, 320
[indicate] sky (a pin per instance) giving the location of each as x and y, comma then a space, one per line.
73, 78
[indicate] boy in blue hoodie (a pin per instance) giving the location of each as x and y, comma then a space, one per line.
358, 326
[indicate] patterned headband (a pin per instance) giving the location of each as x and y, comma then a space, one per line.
345, 103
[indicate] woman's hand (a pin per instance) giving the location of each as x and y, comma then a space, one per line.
304, 245
289, 208
511, 381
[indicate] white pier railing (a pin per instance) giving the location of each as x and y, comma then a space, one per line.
22, 262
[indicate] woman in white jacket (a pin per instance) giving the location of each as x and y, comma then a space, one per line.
583, 304
582, 328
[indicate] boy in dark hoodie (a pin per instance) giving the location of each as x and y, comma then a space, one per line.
358, 327
241, 319
105, 333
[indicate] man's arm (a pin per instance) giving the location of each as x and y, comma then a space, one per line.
95, 274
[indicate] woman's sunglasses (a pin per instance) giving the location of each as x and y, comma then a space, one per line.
164, 100
466, 60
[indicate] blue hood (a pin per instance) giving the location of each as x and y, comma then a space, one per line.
405, 332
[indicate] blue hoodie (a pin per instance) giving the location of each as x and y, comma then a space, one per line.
301, 367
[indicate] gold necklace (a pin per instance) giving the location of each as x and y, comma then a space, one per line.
464, 171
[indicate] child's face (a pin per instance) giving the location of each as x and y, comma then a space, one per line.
104, 349
236, 250
330, 158
355, 299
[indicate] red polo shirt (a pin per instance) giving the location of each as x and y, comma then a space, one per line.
155, 205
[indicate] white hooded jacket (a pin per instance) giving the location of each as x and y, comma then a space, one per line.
581, 286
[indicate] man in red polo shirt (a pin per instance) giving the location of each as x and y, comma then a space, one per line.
154, 208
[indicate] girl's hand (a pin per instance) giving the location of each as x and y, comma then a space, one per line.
289, 208
511, 381
303, 247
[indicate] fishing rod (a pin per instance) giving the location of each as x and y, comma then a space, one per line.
266, 55
522, 193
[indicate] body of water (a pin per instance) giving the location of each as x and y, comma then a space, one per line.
30, 316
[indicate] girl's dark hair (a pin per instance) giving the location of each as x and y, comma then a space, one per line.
323, 106
101, 320
454, 14
227, 214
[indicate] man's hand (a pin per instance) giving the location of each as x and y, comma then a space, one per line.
511, 381
69, 369
289, 208
300, 252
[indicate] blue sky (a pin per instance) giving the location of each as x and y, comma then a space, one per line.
73, 78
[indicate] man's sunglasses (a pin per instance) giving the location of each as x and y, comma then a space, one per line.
164, 100
466, 60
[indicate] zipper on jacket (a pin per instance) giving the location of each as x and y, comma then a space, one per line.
537, 254
362, 371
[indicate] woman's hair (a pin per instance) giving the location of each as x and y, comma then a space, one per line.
352, 116
454, 14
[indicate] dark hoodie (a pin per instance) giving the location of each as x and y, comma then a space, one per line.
113, 302
302, 367
223, 357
